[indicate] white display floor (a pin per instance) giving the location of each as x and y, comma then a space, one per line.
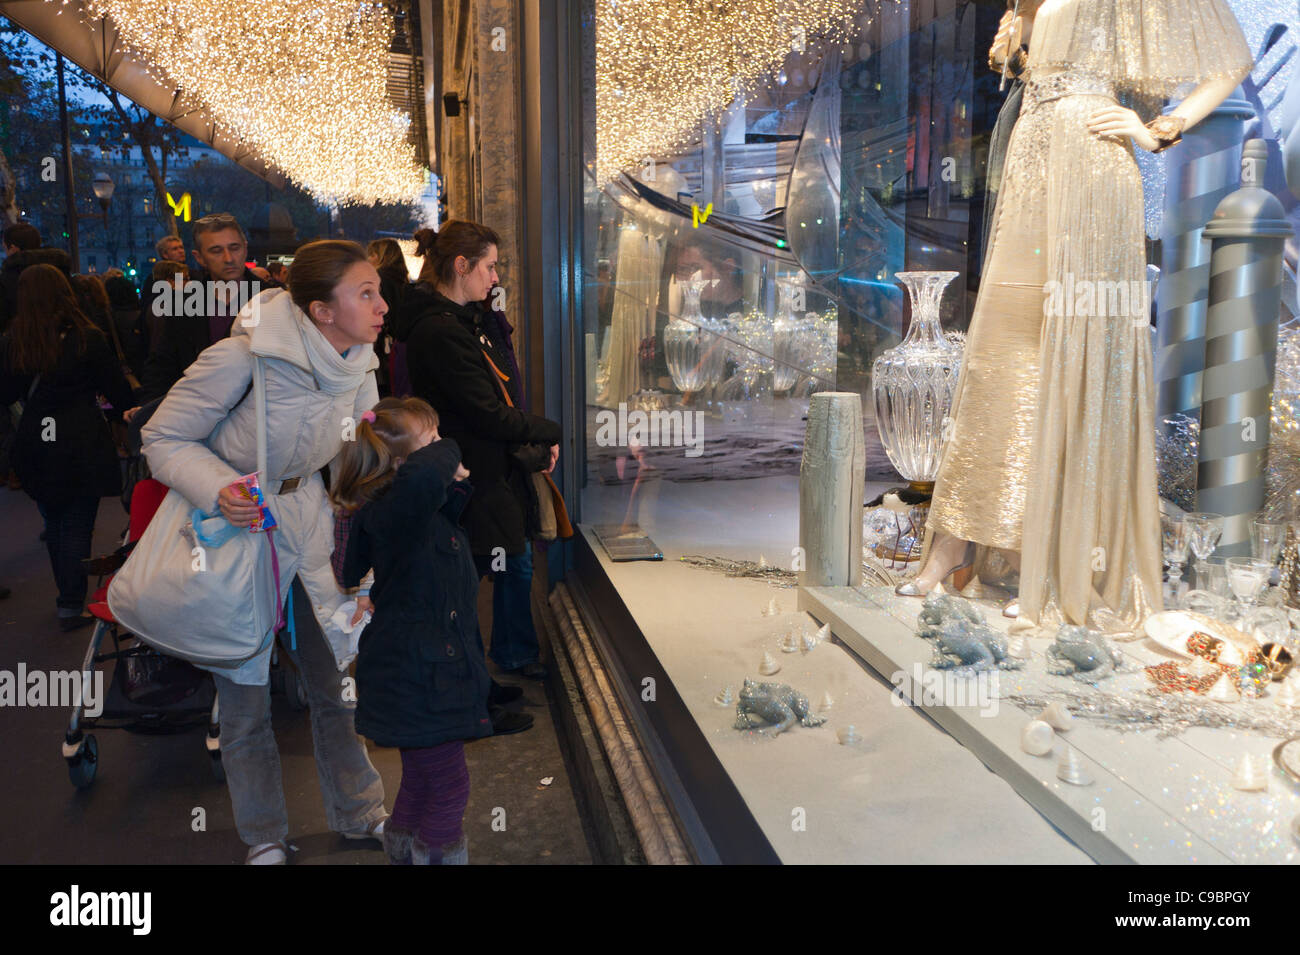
1153, 800
908, 792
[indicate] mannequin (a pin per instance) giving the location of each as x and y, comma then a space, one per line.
1050, 455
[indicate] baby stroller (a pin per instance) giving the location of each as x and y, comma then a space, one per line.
149, 692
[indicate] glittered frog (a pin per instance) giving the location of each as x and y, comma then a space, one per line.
1082, 653
775, 703
962, 640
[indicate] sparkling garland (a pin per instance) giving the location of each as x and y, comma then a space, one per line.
1177, 450
303, 82
760, 570
662, 68
1166, 714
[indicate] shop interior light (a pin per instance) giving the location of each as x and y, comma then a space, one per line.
303, 83
663, 67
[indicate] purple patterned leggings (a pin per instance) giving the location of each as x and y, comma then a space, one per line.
434, 792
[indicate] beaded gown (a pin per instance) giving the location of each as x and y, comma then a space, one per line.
1051, 443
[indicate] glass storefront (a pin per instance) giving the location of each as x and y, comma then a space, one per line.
733, 277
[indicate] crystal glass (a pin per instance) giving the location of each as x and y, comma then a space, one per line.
1216, 577
1268, 625
1266, 539
692, 344
1247, 576
913, 383
1206, 603
792, 337
1176, 539
1206, 530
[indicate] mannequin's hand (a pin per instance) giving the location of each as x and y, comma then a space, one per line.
1005, 41
461, 473
1117, 121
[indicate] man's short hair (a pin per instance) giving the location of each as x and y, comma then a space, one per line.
165, 241
276, 269
217, 222
24, 235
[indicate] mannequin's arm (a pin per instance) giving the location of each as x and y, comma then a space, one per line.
1202, 101
1118, 121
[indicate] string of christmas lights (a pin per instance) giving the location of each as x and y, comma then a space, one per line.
663, 67
303, 83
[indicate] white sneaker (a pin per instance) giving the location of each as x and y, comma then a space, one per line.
268, 853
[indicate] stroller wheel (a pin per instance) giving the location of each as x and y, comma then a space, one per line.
218, 770
83, 766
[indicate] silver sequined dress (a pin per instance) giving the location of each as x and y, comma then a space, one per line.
1051, 451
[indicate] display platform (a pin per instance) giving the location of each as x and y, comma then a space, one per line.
904, 792
1152, 800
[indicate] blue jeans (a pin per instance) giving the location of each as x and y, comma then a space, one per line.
514, 638
350, 786
69, 527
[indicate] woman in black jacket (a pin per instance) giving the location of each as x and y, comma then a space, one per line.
459, 367
58, 363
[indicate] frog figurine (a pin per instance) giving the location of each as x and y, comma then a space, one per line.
775, 703
962, 639
1082, 653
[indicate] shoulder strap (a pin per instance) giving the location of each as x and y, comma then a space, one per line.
259, 398
501, 378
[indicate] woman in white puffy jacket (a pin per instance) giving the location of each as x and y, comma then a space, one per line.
315, 341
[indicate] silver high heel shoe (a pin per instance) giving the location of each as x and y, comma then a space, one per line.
910, 589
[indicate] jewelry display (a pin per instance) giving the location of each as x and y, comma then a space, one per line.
1167, 130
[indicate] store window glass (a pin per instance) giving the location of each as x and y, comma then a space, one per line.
734, 275
750, 262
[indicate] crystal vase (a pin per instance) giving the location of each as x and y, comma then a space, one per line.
790, 337
690, 342
913, 383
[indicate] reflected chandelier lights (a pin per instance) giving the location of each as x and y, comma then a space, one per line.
302, 82
662, 66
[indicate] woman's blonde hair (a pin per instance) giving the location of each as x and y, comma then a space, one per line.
368, 463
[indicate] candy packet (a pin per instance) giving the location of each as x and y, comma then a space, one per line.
248, 488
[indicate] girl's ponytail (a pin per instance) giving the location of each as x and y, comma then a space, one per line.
384, 438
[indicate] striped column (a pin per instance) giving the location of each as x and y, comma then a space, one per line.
1246, 236
1200, 171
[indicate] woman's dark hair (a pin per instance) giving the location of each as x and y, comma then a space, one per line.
121, 292
387, 256
441, 249
368, 463
92, 298
46, 306
318, 268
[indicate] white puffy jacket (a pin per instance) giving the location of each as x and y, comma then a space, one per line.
203, 437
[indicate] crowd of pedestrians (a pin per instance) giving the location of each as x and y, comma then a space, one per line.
394, 509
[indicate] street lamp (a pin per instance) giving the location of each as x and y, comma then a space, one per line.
103, 186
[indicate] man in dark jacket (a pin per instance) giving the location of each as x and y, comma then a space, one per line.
22, 244
459, 364
221, 249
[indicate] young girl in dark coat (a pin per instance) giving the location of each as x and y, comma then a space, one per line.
422, 683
